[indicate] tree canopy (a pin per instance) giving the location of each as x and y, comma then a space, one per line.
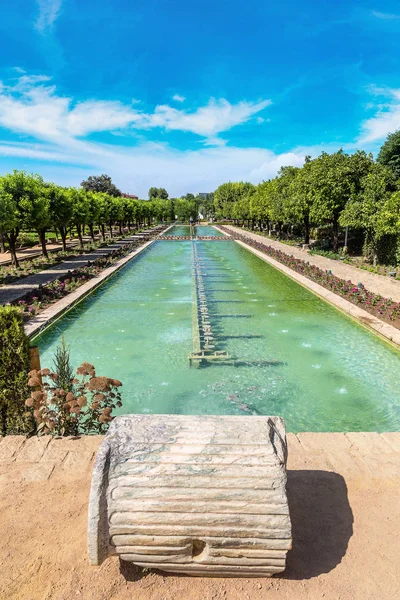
389, 154
100, 183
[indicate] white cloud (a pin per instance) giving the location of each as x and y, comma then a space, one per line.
32, 106
49, 10
386, 119
207, 121
178, 98
385, 16
136, 169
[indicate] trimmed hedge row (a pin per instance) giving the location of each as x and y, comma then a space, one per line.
14, 366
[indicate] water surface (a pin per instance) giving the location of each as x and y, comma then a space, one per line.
327, 373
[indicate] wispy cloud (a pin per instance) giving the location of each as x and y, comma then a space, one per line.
385, 16
178, 98
386, 118
49, 10
32, 106
207, 121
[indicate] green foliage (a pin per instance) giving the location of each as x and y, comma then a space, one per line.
14, 366
63, 367
332, 190
100, 183
389, 154
155, 192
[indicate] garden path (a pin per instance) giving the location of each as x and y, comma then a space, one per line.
379, 284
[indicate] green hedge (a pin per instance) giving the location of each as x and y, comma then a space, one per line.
14, 366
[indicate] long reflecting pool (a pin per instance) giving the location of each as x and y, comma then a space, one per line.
326, 373
199, 230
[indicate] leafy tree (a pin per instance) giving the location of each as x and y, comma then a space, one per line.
93, 211
155, 192
364, 210
28, 205
100, 183
389, 154
334, 178
299, 196
61, 211
9, 221
80, 210
185, 209
227, 194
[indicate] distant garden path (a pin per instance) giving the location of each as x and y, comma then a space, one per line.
389, 288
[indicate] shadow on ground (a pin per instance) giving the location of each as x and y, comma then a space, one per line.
322, 523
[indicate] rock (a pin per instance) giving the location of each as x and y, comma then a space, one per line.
201, 495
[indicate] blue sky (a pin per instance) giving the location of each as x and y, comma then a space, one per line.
188, 95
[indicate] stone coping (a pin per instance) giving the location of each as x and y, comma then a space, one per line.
56, 310
364, 318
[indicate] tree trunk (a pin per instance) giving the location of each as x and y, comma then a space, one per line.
306, 230
2, 245
111, 230
103, 232
120, 228
63, 234
335, 227
91, 231
42, 239
79, 232
12, 244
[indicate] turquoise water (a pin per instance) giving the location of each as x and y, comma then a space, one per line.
328, 373
201, 230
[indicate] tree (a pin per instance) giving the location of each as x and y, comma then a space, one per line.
227, 194
80, 210
334, 178
9, 220
61, 211
93, 211
29, 208
364, 209
261, 204
100, 183
389, 154
299, 196
155, 192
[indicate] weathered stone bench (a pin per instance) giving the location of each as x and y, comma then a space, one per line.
201, 495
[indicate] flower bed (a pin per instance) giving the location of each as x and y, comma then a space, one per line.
382, 308
41, 298
10, 273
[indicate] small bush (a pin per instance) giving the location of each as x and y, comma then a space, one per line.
14, 365
64, 404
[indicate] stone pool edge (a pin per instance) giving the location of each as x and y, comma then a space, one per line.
59, 308
362, 317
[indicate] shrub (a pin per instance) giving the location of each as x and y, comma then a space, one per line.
14, 365
64, 404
